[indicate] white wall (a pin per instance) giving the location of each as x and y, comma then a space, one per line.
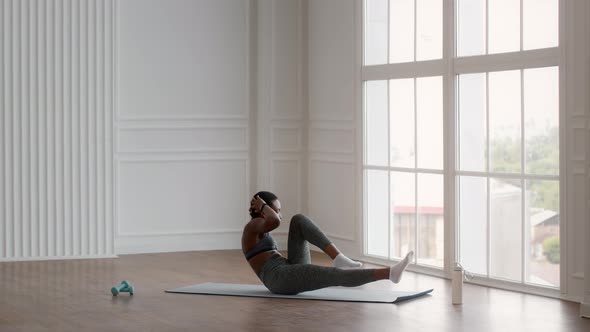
56, 90
182, 124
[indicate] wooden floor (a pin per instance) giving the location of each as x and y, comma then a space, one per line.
75, 296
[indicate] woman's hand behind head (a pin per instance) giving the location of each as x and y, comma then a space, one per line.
262, 199
257, 203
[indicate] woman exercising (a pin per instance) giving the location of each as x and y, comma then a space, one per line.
296, 274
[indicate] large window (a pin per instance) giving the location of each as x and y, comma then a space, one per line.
486, 72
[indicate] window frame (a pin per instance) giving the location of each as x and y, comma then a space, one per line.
449, 67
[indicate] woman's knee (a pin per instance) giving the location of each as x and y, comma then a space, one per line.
298, 219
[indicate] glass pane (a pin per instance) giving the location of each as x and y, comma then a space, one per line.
401, 31
505, 116
541, 120
375, 32
472, 122
403, 205
506, 229
542, 232
430, 122
471, 34
504, 26
401, 101
429, 29
473, 224
540, 23
377, 219
431, 225
376, 122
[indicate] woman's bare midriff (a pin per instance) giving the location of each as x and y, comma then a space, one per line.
258, 261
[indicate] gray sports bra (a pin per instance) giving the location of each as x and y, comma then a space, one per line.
265, 244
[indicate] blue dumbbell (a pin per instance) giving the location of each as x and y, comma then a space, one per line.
124, 287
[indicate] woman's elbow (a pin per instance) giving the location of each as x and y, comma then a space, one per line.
274, 222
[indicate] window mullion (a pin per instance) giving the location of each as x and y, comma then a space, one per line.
403, 70
487, 26
416, 220
488, 198
509, 175
415, 29
521, 25
522, 169
449, 138
389, 219
547, 57
387, 52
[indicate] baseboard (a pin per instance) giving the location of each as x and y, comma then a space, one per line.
585, 309
53, 258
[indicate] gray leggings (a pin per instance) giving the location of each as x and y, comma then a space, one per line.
295, 274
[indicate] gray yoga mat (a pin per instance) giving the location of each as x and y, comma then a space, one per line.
326, 294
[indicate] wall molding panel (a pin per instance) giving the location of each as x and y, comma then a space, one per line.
165, 193
285, 138
182, 233
332, 140
193, 64
183, 139
57, 97
175, 243
195, 117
